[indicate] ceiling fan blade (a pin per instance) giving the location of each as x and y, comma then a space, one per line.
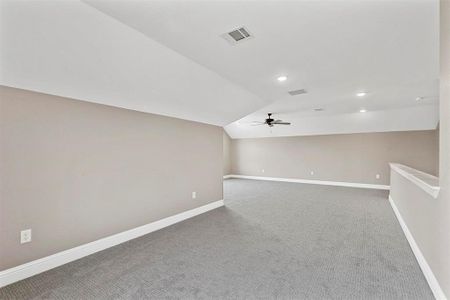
257, 124
250, 122
278, 122
282, 123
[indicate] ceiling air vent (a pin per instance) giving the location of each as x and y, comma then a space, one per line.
237, 36
297, 92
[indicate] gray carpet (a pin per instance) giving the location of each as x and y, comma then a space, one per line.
272, 240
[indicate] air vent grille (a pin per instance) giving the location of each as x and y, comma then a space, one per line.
237, 35
297, 92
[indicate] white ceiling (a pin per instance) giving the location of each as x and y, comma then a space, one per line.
411, 118
70, 49
333, 49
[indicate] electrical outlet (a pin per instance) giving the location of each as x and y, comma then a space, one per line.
194, 195
25, 236
377, 176
262, 170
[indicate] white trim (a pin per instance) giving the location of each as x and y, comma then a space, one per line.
49, 262
321, 182
421, 179
427, 272
227, 176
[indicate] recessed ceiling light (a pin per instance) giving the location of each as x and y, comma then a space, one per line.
282, 78
361, 94
419, 98
362, 110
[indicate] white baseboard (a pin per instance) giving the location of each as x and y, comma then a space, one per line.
49, 262
321, 182
427, 272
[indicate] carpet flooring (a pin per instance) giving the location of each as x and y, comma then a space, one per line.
272, 240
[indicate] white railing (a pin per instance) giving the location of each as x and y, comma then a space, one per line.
427, 182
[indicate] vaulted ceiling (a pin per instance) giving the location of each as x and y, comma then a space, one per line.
168, 57
68, 48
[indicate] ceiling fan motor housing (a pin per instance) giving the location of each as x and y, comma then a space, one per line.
269, 120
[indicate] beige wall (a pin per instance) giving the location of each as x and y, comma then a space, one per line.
74, 172
410, 199
439, 257
226, 154
347, 157
429, 219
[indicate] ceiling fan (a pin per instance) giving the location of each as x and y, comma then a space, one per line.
269, 121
